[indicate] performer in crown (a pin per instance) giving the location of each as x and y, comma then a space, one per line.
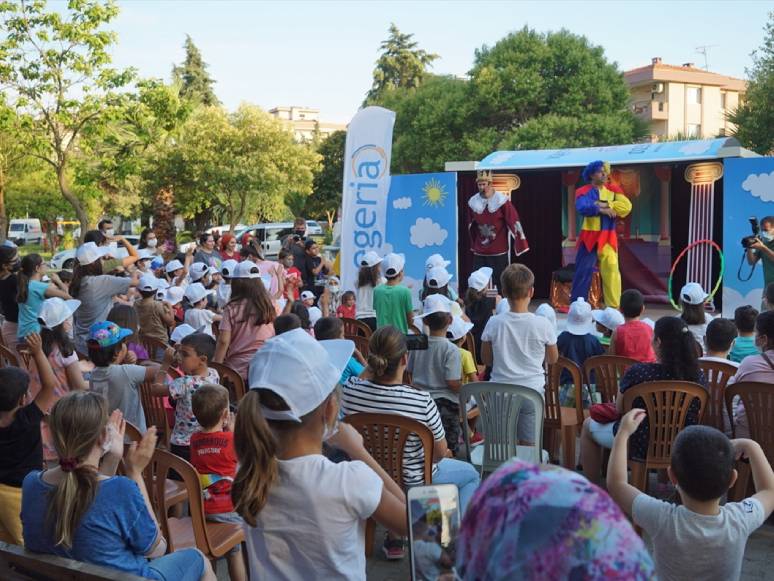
494, 228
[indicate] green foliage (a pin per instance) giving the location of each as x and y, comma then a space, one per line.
754, 119
192, 76
33, 191
400, 66
327, 189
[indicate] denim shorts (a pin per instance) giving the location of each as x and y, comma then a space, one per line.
182, 565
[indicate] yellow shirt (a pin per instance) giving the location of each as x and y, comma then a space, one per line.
468, 365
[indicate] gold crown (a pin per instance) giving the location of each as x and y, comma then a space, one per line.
484, 176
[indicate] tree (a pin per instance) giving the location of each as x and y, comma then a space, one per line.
325, 198
58, 69
754, 118
13, 152
195, 82
400, 66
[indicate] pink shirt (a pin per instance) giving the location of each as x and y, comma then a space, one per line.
246, 337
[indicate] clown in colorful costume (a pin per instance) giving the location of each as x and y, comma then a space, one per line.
600, 203
493, 224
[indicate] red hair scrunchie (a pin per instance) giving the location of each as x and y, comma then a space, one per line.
68, 464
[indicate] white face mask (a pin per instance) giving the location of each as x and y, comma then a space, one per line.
151, 242
767, 236
110, 232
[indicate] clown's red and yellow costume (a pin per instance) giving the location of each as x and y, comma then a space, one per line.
598, 240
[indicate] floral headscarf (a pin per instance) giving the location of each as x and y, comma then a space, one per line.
540, 522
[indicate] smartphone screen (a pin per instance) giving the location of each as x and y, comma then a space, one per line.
434, 519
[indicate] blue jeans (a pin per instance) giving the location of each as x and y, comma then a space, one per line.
182, 565
462, 474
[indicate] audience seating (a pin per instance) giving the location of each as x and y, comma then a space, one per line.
155, 413
8, 358
19, 564
499, 405
231, 380
384, 436
563, 422
606, 371
717, 375
666, 403
353, 327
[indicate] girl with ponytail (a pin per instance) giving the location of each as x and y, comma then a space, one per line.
32, 291
677, 359
82, 511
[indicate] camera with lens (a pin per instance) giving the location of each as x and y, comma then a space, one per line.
748, 241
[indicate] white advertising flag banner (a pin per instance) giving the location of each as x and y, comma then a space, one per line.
366, 185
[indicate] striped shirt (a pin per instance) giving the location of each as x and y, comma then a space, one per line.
363, 396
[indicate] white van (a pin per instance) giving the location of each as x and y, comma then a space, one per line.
25, 231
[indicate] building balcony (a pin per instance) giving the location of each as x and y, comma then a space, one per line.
651, 110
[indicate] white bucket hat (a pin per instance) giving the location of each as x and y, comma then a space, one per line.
300, 370
55, 311
579, 317
479, 279
547, 312
438, 277
90, 252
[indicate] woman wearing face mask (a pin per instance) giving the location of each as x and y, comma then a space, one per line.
9, 266
149, 241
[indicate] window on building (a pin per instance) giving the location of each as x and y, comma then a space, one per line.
693, 95
694, 130
722, 100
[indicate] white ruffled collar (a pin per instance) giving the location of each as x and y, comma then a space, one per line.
479, 203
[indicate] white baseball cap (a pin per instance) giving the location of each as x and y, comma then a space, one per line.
479, 279
306, 295
693, 294
90, 252
181, 332
247, 269
393, 264
435, 304
579, 317
174, 295
195, 292
370, 258
145, 254
438, 277
148, 283
609, 318
228, 268
197, 271
459, 328
434, 261
55, 311
173, 265
300, 370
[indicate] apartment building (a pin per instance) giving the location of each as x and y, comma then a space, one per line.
305, 122
683, 100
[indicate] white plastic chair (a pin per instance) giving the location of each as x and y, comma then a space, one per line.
499, 405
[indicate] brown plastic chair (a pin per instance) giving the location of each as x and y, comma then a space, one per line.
361, 343
562, 421
8, 358
155, 412
666, 403
152, 345
215, 540
607, 371
717, 375
354, 327
231, 380
384, 436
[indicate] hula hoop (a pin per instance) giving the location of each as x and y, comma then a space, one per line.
683, 253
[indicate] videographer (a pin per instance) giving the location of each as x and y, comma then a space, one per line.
294, 242
762, 248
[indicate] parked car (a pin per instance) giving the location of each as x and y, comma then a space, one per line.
313, 228
66, 258
270, 236
25, 231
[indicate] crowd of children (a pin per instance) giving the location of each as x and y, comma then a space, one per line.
285, 466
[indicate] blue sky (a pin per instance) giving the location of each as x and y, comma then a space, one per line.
321, 54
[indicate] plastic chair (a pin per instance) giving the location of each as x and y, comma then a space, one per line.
607, 371
8, 358
353, 327
499, 405
215, 540
231, 380
717, 375
155, 413
362, 344
666, 403
562, 421
384, 436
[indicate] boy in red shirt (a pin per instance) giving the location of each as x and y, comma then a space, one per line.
214, 457
634, 338
292, 275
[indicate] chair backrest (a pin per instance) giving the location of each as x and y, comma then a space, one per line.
361, 343
499, 405
155, 413
8, 358
553, 382
161, 464
716, 375
17, 563
152, 345
354, 327
385, 435
666, 403
606, 371
231, 380
470, 345
132, 432
758, 401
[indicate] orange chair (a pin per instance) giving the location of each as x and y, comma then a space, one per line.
231, 380
561, 421
607, 371
717, 375
384, 436
215, 540
353, 327
666, 403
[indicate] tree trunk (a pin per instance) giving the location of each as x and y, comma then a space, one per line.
72, 199
164, 218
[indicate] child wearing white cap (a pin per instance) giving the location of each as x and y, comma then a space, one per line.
457, 333
392, 301
294, 500
692, 301
368, 278
436, 261
577, 343
479, 304
199, 316
607, 320
155, 317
